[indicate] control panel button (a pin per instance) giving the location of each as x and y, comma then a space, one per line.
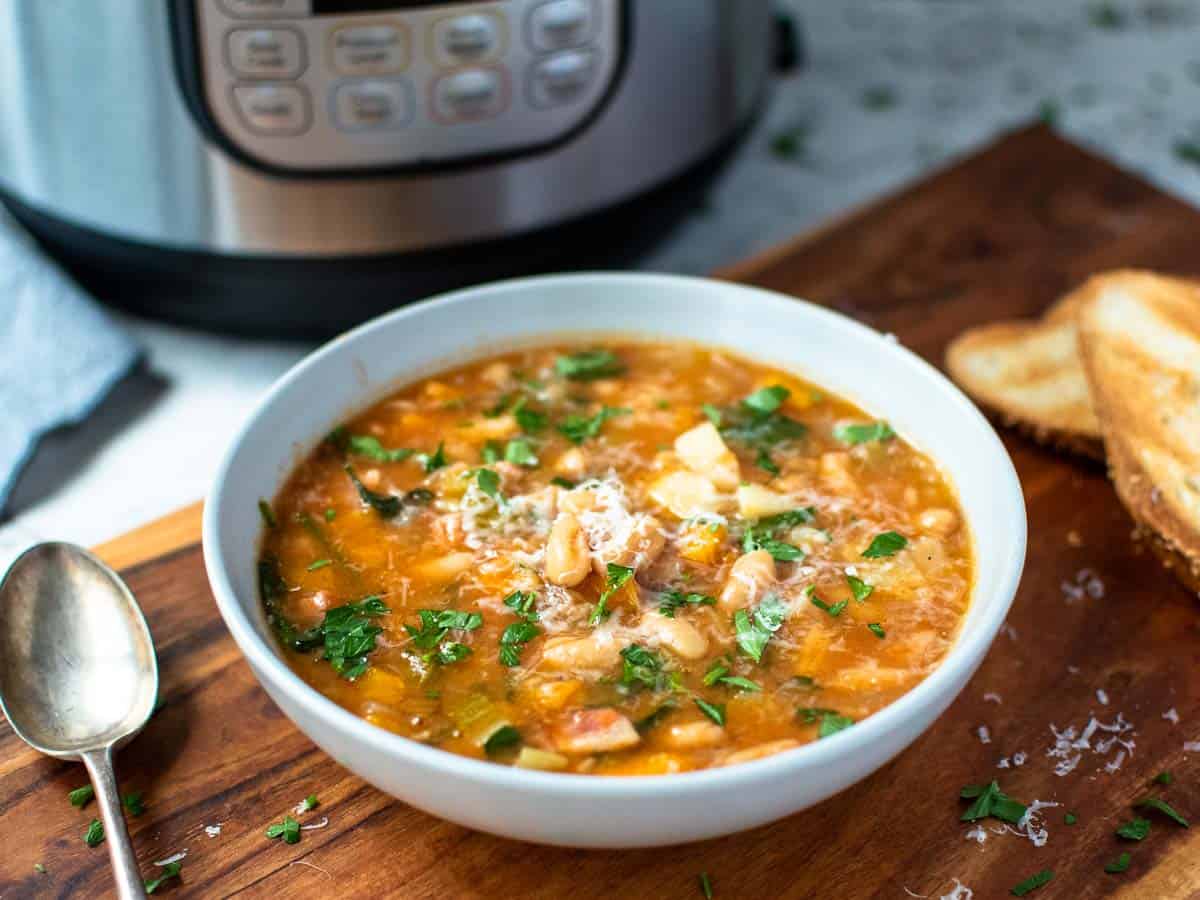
561, 78
272, 109
253, 9
466, 39
562, 23
470, 94
265, 52
372, 104
369, 49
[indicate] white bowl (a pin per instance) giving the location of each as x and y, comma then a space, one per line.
633, 811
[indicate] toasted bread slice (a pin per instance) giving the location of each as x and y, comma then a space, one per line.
1028, 372
1139, 338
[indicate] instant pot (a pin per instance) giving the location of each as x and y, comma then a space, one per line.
298, 165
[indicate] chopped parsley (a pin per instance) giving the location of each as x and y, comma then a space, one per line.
513, 641
310, 803
386, 505
888, 543
431, 462
38, 867
649, 721
670, 601
288, 829
330, 514
834, 610
706, 886
565, 483
133, 803
615, 579
370, 447
165, 873
347, 635
642, 668
492, 452
761, 535
318, 564
832, 723
764, 462
489, 483
1163, 778
859, 588
863, 434
81, 796
1118, 865
94, 836
754, 630
1070, 819
1163, 807
991, 801
268, 514
1134, 830
589, 365
503, 737
756, 422
1032, 883
876, 629
435, 626
520, 452
529, 420
712, 413
578, 429
715, 711
718, 673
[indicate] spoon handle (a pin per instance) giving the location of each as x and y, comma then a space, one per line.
120, 850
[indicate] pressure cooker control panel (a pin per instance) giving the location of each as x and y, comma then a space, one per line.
312, 85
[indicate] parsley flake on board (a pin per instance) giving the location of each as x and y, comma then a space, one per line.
1032, 883
615, 578
589, 365
1163, 778
706, 886
165, 873
387, 505
133, 803
753, 630
1163, 807
288, 829
670, 601
863, 434
81, 796
1118, 865
577, 429
991, 801
95, 833
1070, 819
309, 803
715, 711
1134, 830
859, 588
888, 543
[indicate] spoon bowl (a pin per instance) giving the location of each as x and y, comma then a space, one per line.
78, 675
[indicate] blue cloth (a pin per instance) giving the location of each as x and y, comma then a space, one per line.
60, 353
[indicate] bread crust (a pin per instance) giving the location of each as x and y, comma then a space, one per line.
1139, 339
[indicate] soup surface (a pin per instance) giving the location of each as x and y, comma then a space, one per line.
628, 559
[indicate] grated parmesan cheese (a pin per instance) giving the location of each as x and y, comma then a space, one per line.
1031, 825
1171, 716
1191, 747
985, 736
172, 859
1086, 584
1069, 743
1019, 758
316, 825
1102, 696
976, 834
992, 697
213, 830
959, 892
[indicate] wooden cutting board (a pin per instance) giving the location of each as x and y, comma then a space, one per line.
1000, 234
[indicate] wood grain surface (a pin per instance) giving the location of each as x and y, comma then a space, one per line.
998, 235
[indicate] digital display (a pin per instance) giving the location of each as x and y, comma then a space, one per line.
338, 7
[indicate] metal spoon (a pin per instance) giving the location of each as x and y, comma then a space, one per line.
78, 676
